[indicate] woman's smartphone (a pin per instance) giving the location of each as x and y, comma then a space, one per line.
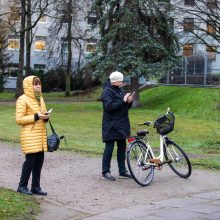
48, 112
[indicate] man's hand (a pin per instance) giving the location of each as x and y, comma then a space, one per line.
126, 97
130, 97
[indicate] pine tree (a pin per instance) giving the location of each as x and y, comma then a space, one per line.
136, 38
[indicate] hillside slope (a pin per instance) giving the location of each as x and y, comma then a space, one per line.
201, 103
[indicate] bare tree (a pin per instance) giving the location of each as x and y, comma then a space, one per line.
67, 30
198, 21
23, 10
37, 8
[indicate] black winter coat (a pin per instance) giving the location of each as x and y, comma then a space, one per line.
115, 122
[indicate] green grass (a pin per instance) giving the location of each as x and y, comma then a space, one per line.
17, 206
196, 128
79, 95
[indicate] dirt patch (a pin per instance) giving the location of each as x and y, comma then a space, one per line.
76, 190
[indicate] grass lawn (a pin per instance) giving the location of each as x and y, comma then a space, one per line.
196, 128
17, 206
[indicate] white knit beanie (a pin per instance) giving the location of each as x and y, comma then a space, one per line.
116, 77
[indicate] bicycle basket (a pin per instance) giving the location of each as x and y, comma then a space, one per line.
165, 124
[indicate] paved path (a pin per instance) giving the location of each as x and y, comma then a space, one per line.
204, 206
76, 191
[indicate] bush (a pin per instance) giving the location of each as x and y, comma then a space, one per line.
55, 80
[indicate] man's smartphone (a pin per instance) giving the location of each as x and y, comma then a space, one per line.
48, 112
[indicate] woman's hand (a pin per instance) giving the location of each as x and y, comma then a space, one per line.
43, 116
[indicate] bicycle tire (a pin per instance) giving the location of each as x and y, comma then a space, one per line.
140, 172
179, 161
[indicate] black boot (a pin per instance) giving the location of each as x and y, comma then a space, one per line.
24, 189
38, 191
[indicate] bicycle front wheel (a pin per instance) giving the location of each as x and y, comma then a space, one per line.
137, 157
177, 160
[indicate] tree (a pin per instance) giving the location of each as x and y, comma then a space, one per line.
136, 38
199, 22
24, 11
67, 30
37, 8
4, 57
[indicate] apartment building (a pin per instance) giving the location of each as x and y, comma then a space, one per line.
186, 25
197, 26
47, 50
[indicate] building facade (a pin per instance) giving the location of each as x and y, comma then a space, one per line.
195, 32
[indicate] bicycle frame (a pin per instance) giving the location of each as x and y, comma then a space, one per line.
159, 160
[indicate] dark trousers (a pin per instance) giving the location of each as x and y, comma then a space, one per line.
33, 164
107, 155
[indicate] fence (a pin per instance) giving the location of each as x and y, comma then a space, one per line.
195, 70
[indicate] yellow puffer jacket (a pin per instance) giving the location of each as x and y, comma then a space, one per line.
33, 133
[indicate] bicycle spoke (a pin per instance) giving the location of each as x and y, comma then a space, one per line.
137, 164
179, 162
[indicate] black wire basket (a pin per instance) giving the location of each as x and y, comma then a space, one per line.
165, 124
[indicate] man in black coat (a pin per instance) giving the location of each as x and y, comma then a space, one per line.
115, 124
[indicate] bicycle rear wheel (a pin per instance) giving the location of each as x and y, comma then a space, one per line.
178, 160
137, 157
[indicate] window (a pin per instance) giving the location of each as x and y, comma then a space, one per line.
212, 4
13, 44
15, 14
40, 67
43, 19
188, 24
211, 27
13, 69
90, 47
92, 19
211, 52
188, 50
189, 2
40, 44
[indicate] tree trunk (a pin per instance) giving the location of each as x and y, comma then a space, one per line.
19, 89
135, 87
28, 39
69, 41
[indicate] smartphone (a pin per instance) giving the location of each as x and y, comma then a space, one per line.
132, 93
48, 112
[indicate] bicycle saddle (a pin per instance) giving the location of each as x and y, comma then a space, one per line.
142, 133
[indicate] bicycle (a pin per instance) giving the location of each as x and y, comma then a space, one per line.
140, 156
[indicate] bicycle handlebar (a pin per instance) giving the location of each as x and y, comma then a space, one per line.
148, 123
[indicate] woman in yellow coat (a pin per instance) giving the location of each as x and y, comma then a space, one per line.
30, 114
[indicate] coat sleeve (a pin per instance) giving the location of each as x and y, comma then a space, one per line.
129, 105
21, 111
110, 105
